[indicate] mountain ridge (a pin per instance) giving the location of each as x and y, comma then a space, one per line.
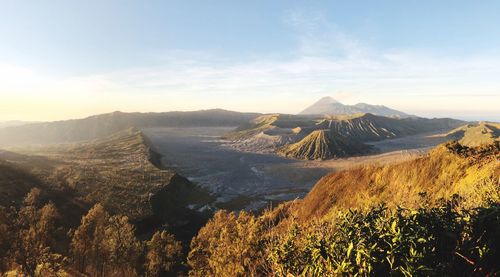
92, 127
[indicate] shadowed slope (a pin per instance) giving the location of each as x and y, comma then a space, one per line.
15, 183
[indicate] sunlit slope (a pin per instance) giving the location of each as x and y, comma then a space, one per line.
476, 134
448, 169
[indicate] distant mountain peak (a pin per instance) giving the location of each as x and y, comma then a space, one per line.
327, 100
329, 106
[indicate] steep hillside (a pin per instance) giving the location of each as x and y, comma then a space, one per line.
106, 124
330, 106
119, 171
450, 168
323, 145
476, 134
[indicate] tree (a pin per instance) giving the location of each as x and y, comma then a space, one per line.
6, 236
33, 241
87, 243
33, 197
163, 253
228, 245
105, 245
122, 245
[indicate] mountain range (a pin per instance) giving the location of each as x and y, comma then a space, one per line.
77, 130
329, 106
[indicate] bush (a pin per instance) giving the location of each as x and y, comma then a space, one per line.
433, 241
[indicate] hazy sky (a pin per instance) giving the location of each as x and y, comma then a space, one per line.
67, 59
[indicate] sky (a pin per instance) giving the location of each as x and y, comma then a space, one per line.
71, 59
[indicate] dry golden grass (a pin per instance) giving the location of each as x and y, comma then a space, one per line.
438, 175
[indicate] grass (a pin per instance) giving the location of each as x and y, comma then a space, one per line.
440, 174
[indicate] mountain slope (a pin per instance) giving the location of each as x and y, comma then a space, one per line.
449, 169
119, 171
369, 127
476, 134
12, 123
330, 106
19, 174
122, 172
323, 145
106, 124
15, 183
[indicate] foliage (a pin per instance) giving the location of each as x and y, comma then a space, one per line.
105, 245
229, 245
441, 240
33, 238
163, 253
425, 241
6, 236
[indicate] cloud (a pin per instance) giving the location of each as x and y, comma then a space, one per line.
326, 61
317, 36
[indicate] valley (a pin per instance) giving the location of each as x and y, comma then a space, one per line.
252, 181
243, 161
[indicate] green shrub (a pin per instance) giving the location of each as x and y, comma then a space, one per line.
404, 242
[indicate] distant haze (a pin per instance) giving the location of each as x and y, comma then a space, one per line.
68, 59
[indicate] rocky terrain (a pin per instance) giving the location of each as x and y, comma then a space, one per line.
323, 145
327, 137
